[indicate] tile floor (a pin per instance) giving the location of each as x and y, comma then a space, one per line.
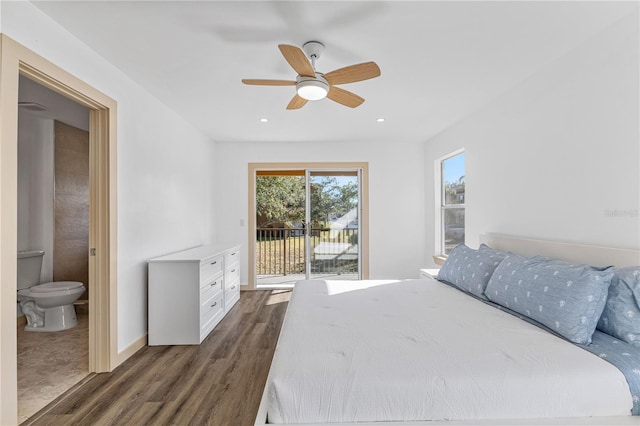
49, 364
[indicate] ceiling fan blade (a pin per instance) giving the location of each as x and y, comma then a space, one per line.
297, 102
297, 59
344, 97
353, 73
269, 82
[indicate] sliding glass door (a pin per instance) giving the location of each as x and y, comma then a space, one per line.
307, 225
333, 199
280, 211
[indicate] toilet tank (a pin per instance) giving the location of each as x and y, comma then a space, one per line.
29, 266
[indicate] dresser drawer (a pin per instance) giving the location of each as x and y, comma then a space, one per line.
231, 285
212, 317
231, 295
212, 287
233, 256
210, 307
232, 273
210, 268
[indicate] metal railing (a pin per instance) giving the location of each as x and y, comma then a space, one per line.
281, 251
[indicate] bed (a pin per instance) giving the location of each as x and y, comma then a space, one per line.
424, 352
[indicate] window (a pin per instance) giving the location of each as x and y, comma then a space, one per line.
452, 202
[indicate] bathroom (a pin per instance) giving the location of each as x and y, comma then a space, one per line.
53, 211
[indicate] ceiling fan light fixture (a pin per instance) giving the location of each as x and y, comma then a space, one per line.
312, 89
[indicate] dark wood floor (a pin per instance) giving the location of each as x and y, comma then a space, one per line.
219, 382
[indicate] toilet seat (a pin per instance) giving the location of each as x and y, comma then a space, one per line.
55, 286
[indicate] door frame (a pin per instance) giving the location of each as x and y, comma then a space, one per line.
16, 60
363, 213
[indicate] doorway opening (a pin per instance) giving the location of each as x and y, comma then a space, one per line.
17, 61
308, 221
53, 220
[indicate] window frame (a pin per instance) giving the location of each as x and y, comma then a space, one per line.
441, 206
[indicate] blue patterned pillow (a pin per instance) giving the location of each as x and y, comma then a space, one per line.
568, 299
484, 247
470, 269
621, 315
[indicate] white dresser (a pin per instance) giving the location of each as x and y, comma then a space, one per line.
190, 292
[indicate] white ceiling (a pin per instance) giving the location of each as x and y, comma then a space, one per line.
440, 61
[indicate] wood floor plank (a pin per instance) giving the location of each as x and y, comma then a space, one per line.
144, 414
219, 382
100, 405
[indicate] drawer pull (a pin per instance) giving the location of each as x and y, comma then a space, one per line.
233, 287
233, 270
214, 262
214, 283
233, 254
214, 304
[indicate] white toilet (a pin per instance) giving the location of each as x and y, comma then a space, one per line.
48, 306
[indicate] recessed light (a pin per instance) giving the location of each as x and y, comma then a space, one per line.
264, 120
380, 120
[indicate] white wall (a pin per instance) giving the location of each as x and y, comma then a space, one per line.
164, 165
396, 196
557, 156
35, 187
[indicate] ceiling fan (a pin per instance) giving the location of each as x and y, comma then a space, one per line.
312, 85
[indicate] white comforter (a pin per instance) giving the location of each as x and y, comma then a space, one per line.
354, 351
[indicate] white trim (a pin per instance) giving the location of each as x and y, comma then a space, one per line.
134, 347
307, 221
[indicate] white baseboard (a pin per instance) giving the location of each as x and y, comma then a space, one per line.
134, 347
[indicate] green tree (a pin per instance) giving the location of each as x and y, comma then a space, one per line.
454, 191
329, 197
282, 198
322, 200
279, 198
347, 198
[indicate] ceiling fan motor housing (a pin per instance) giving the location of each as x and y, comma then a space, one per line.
313, 49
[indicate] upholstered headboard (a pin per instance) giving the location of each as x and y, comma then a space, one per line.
575, 253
